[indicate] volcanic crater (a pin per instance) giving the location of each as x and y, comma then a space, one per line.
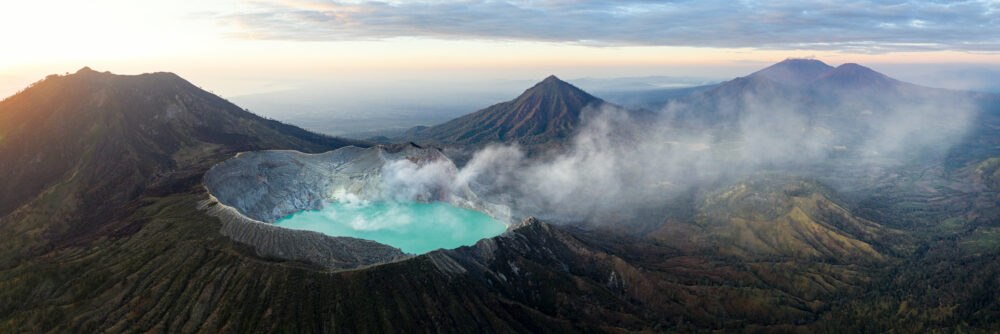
253, 191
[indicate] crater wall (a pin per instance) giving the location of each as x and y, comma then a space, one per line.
254, 189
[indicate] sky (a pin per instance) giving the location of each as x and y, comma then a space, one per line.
238, 48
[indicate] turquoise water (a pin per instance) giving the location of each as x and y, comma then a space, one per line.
414, 227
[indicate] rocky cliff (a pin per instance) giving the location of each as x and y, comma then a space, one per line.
254, 189
270, 185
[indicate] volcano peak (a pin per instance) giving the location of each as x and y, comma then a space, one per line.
794, 71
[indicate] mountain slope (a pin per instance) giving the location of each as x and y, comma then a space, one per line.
855, 77
850, 110
768, 216
76, 148
548, 111
794, 71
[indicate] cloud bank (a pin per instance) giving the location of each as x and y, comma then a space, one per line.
856, 26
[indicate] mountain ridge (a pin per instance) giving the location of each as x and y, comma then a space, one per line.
548, 111
81, 146
794, 71
857, 77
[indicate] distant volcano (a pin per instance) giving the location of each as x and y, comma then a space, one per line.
550, 110
856, 77
794, 71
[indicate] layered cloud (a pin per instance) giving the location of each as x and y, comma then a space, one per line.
856, 26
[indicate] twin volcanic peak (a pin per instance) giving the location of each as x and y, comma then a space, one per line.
811, 71
794, 71
814, 90
548, 111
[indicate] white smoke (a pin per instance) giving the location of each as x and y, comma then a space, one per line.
619, 162
405, 180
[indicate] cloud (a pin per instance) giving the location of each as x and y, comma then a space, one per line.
622, 166
858, 26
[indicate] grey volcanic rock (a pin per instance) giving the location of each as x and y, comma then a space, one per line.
337, 253
270, 185
531, 250
528, 235
254, 189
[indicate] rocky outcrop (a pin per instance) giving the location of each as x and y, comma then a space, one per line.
530, 235
270, 185
335, 253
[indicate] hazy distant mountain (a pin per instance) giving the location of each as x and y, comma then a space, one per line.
856, 77
805, 74
548, 111
794, 71
821, 78
850, 100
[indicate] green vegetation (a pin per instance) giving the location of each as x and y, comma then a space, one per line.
774, 216
101, 233
983, 240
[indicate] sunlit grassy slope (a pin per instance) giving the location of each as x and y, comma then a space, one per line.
777, 217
